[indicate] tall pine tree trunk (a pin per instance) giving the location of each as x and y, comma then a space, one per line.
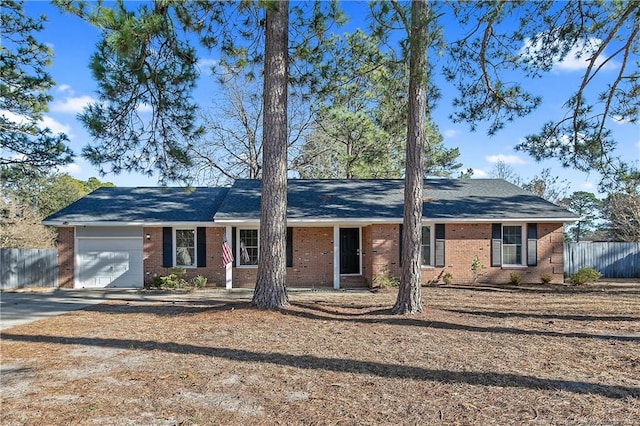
409, 298
270, 291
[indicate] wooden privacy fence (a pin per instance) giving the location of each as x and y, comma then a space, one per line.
613, 260
28, 268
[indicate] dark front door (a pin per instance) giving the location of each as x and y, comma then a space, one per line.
349, 250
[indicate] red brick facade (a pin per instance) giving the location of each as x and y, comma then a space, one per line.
66, 256
462, 243
214, 270
313, 256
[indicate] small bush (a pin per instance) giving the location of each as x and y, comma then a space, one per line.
384, 279
515, 278
584, 276
199, 281
447, 278
477, 269
175, 280
546, 278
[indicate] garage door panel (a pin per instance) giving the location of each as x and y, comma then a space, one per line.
108, 263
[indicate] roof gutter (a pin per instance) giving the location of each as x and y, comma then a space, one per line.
114, 224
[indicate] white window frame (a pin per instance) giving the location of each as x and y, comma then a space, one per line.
195, 248
523, 245
432, 243
238, 261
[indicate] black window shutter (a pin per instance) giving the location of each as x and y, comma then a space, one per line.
400, 246
496, 244
532, 244
167, 247
289, 247
201, 236
440, 245
233, 246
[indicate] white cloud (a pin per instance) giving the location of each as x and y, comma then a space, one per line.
72, 105
586, 185
577, 58
47, 122
144, 108
64, 88
479, 173
507, 159
619, 120
206, 64
14, 118
72, 169
450, 133
55, 126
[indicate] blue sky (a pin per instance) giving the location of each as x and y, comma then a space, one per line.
73, 42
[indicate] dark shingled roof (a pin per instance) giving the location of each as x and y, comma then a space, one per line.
383, 199
444, 199
143, 205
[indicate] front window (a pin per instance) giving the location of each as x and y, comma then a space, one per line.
185, 247
248, 246
512, 245
425, 252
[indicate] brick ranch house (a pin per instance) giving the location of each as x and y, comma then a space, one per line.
341, 233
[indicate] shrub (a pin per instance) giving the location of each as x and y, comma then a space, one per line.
447, 278
546, 278
174, 280
199, 281
515, 278
584, 276
477, 269
384, 279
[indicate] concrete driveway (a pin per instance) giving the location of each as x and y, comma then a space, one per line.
18, 308
22, 307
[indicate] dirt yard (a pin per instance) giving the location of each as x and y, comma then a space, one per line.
475, 356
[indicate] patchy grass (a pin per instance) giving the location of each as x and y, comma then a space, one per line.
475, 356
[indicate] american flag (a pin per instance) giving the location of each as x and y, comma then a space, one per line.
227, 256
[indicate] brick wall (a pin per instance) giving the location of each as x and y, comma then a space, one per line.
313, 256
384, 248
66, 256
462, 243
214, 271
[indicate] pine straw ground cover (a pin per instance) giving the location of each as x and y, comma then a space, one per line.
473, 357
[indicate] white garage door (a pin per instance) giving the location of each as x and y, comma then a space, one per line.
109, 262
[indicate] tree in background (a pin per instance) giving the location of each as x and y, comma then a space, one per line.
544, 185
502, 170
587, 206
21, 227
547, 186
26, 146
27, 201
361, 114
231, 147
621, 212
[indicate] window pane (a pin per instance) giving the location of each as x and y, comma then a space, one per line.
425, 253
512, 245
248, 246
185, 247
512, 235
509, 255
